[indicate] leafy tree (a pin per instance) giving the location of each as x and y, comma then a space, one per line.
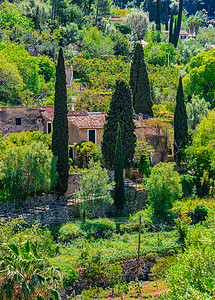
60, 134
121, 44
158, 53
205, 131
164, 188
121, 111
180, 124
139, 82
25, 275
28, 170
185, 278
11, 82
10, 17
200, 155
142, 147
123, 28
200, 79
94, 187
95, 43
47, 68
196, 109
158, 15
84, 151
165, 81
119, 191
143, 165
138, 21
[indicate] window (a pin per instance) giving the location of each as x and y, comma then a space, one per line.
92, 135
70, 152
18, 121
49, 127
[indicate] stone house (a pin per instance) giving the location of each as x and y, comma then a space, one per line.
83, 126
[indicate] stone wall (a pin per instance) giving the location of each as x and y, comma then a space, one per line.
73, 184
129, 273
140, 133
73, 134
30, 118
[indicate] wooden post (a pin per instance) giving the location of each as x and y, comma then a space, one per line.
138, 258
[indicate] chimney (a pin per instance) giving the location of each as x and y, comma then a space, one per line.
140, 117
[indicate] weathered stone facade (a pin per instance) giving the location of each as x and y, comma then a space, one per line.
17, 119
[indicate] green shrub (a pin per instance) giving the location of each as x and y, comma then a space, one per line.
133, 223
188, 183
164, 188
199, 214
17, 231
28, 170
99, 228
70, 278
70, 231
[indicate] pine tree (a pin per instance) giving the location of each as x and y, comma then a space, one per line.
60, 126
171, 37
139, 82
121, 110
166, 14
158, 15
178, 23
180, 124
119, 190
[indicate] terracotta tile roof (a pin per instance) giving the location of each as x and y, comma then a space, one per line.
87, 120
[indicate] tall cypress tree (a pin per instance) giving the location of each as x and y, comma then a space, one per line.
60, 126
175, 32
119, 190
166, 14
143, 103
121, 111
139, 82
180, 124
158, 15
178, 22
171, 37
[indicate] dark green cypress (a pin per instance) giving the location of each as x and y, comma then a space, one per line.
178, 22
139, 82
180, 124
119, 190
166, 14
171, 38
158, 15
121, 111
175, 32
60, 126
143, 102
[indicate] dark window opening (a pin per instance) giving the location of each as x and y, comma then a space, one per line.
18, 121
49, 128
92, 136
70, 152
